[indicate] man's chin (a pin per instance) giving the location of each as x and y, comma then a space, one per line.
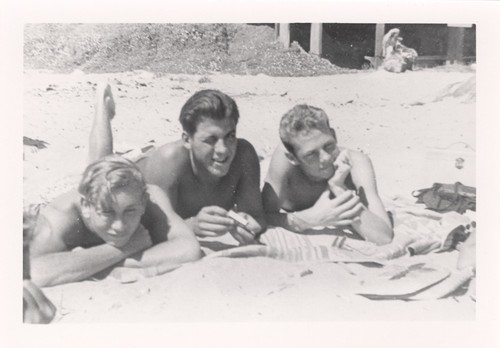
117, 243
322, 175
219, 172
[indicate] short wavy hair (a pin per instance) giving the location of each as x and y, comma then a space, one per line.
208, 103
111, 172
301, 119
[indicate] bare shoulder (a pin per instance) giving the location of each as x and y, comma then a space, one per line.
359, 158
166, 164
65, 205
246, 159
246, 149
157, 195
279, 167
57, 223
171, 153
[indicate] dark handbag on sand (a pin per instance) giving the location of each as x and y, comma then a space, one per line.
447, 197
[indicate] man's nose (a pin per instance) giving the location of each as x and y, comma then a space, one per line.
117, 226
324, 157
221, 147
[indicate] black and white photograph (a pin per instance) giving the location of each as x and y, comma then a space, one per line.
236, 171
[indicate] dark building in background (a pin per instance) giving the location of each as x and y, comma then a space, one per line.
346, 45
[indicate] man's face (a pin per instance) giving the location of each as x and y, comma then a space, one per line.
315, 152
116, 222
213, 145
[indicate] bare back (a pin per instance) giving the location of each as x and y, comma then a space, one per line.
60, 227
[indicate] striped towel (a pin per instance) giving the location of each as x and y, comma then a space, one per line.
281, 244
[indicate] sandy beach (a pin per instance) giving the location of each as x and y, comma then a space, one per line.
399, 120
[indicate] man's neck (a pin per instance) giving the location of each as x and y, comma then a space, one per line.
202, 175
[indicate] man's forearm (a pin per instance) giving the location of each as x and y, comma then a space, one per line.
369, 226
72, 266
372, 228
296, 221
175, 251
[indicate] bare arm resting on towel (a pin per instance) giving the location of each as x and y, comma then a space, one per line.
173, 241
373, 223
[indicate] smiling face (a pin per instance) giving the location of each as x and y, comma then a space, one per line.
315, 151
212, 146
116, 219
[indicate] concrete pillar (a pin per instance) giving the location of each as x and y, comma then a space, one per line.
455, 44
379, 38
316, 46
284, 34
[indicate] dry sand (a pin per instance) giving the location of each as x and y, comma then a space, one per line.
394, 118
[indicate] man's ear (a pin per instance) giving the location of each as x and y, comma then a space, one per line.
186, 140
291, 157
145, 199
84, 203
333, 133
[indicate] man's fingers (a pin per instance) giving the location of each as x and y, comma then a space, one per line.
341, 223
212, 228
352, 212
347, 197
214, 210
242, 235
216, 220
204, 233
238, 238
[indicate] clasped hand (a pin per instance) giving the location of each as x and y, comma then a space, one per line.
213, 221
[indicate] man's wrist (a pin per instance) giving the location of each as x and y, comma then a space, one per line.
337, 190
191, 222
298, 221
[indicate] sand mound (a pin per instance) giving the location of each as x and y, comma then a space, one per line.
167, 48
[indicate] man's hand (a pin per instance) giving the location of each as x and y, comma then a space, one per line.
246, 234
212, 221
139, 241
337, 212
342, 165
37, 309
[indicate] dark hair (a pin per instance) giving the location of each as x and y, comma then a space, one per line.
207, 103
301, 119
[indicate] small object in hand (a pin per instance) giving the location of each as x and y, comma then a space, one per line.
241, 221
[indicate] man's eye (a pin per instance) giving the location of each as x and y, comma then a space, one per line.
130, 211
231, 136
106, 213
330, 148
210, 141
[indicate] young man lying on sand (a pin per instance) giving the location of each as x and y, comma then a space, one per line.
319, 184
209, 175
114, 218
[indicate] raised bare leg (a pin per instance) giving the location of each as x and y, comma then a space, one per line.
101, 137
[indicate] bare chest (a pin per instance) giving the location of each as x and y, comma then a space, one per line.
193, 195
